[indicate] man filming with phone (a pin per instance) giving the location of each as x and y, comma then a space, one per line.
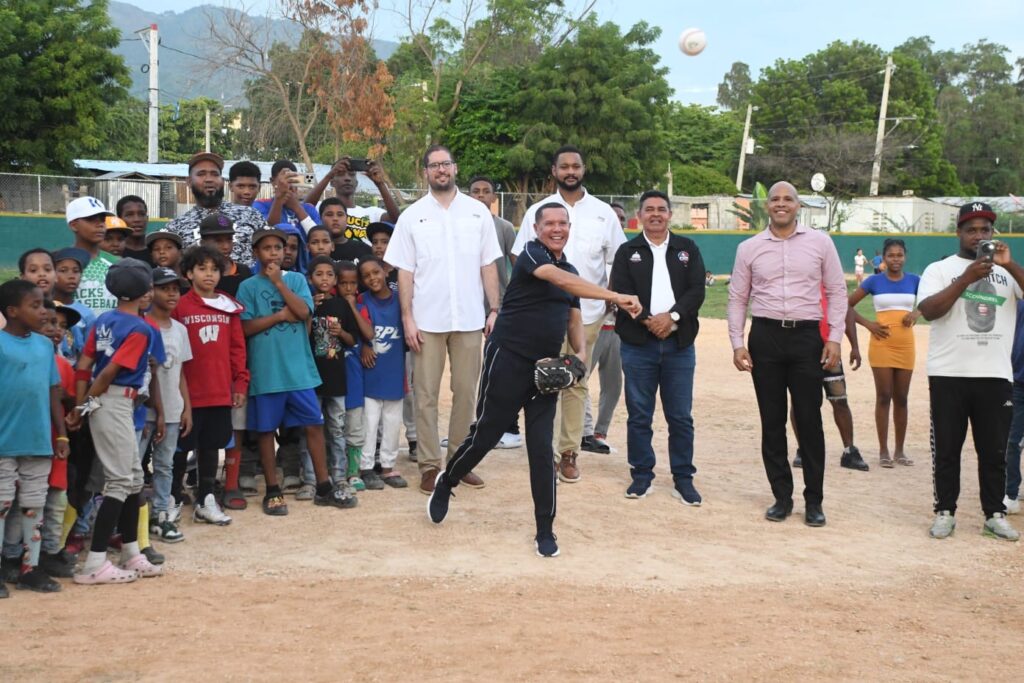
342, 177
286, 206
970, 299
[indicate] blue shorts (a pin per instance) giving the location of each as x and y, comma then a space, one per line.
269, 412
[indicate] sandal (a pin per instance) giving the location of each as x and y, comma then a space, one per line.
275, 506
107, 573
885, 461
902, 459
234, 500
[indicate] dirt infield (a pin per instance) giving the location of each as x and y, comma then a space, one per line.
644, 590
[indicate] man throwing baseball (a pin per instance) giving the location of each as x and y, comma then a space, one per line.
542, 302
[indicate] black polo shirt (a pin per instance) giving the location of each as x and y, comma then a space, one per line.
534, 314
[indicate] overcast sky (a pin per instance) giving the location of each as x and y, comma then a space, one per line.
757, 33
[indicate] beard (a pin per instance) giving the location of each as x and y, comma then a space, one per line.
208, 200
445, 186
570, 186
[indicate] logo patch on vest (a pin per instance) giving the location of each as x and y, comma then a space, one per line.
635, 258
684, 257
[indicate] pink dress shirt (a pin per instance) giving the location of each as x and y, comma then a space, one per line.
783, 279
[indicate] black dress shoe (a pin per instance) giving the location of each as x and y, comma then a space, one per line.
798, 461
591, 445
852, 460
814, 516
779, 511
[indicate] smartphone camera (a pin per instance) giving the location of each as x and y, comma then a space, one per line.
986, 250
359, 165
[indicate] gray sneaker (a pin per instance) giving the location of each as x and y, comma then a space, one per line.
943, 525
996, 526
371, 480
306, 492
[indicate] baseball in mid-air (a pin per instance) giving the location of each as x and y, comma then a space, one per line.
692, 41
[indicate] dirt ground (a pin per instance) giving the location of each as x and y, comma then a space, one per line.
643, 590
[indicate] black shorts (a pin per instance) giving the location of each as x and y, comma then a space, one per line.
211, 429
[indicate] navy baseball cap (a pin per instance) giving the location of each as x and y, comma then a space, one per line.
216, 224
165, 276
268, 231
80, 256
379, 226
975, 210
129, 279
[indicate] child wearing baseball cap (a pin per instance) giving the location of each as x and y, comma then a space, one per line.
116, 237
165, 249
110, 373
218, 232
68, 264
284, 375
86, 217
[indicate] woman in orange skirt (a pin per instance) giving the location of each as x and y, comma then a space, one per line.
891, 351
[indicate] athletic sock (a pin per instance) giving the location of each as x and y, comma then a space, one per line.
232, 468
70, 517
106, 520
128, 524
273, 491
323, 488
355, 456
129, 550
143, 533
94, 561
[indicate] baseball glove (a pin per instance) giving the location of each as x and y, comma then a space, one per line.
551, 375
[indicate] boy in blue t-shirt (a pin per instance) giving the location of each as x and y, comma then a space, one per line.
282, 389
384, 374
115, 360
30, 405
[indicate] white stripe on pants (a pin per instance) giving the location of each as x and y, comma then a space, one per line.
388, 414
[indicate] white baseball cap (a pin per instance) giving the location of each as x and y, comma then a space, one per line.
83, 207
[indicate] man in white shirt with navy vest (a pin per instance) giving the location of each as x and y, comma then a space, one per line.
595, 236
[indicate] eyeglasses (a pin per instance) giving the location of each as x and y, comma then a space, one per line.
440, 164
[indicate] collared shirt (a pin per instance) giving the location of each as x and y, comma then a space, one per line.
246, 219
782, 279
662, 298
594, 236
445, 249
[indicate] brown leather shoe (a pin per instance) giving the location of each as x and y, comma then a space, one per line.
473, 481
427, 478
568, 471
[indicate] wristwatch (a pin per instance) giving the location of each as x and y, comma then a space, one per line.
674, 315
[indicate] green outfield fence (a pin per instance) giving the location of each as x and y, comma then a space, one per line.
20, 232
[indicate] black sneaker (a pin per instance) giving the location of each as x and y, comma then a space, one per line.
338, 497
10, 568
437, 504
37, 580
371, 480
412, 451
592, 445
547, 545
852, 460
798, 461
54, 566
154, 556
686, 493
638, 489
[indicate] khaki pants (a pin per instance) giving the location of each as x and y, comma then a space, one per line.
574, 398
463, 349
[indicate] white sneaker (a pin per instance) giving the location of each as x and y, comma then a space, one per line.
210, 512
444, 442
996, 526
174, 513
943, 525
509, 440
1012, 505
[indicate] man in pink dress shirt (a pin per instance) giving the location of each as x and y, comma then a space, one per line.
780, 273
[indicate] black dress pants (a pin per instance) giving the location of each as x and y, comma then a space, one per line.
789, 360
506, 386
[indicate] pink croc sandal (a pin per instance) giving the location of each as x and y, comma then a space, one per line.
108, 573
143, 567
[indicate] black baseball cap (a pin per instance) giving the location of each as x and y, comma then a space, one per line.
268, 231
164, 235
80, 256
379, 226
71, 315
216, 224
129, 279
975, 210
165, 276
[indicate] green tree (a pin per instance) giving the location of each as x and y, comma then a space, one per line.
694, 134
694, 180
734, 90
59, 77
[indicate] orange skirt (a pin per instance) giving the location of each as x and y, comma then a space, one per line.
897, 351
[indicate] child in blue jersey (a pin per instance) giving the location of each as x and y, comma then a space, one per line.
30, 405
111, 371
282, 389
355, 424
384, 374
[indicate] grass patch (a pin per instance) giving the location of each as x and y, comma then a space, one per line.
716, 300
8, 274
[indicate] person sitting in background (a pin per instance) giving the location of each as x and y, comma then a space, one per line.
709, 279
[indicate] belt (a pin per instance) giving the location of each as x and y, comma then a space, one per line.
787, 324
127, 392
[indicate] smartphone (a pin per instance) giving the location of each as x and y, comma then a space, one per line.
359, 165
310, 179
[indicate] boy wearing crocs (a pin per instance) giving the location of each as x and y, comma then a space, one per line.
115, 360
384, 374
284, 377
30, 404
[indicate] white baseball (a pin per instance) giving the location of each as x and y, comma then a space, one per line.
692, 41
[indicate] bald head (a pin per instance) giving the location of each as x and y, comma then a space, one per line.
784, 187
783, 206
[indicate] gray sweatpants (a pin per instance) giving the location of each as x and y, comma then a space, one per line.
117, 449
608, 362
23, 486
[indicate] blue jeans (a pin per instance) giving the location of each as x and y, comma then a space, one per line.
163, 462
1013, 442
648, 368
334, 439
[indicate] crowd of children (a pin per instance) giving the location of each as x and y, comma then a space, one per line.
130, 364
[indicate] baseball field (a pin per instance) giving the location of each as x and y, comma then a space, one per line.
643, 590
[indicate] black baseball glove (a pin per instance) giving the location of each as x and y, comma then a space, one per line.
551, 375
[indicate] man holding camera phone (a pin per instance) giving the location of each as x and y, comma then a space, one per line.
342, 177
286, 205
970, 299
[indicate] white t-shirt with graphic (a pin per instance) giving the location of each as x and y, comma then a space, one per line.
975, 337
359, 218
177, 351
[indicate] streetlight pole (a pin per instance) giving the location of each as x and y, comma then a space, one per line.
743, 150
876, 165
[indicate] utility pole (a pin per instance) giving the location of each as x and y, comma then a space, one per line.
743, 150
207, 129
153, 155
876, 166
